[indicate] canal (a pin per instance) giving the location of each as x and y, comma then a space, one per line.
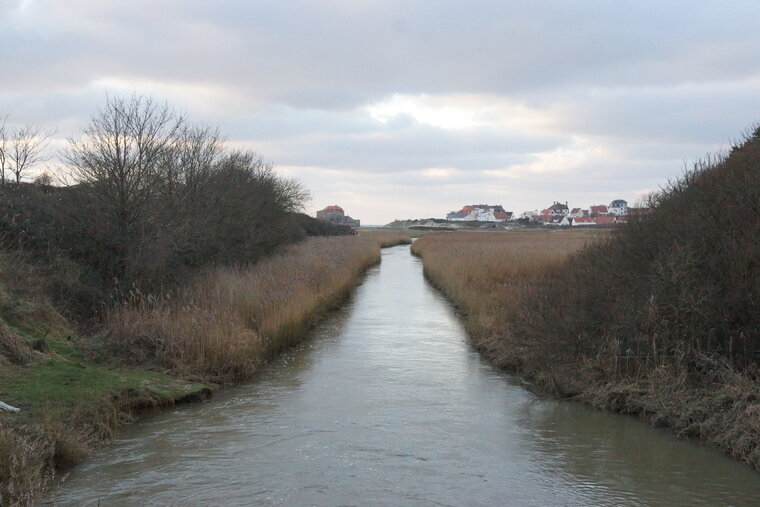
387, 404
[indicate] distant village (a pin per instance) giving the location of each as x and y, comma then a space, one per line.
557, 215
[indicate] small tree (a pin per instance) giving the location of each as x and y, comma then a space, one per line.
28, 147
44, 180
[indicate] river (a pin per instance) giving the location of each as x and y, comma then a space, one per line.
387, 404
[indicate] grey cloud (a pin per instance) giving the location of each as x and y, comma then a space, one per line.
418, 147
649, 82
328, 54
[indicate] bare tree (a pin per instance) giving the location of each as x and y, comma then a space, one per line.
121, 153
3, 147
28, 147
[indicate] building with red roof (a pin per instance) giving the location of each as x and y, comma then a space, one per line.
335, 215
480, 213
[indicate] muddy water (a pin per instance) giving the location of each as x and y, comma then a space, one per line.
387, 405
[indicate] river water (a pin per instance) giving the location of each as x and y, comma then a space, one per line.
388, 405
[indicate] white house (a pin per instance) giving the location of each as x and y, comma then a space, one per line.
479, 213
618, 207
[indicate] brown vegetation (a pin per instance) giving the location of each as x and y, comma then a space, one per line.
230, 319
12, 347
387, 238
24, 457
156, 200
659, 319
487, 275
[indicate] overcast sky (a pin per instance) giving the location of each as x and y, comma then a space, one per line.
411, 109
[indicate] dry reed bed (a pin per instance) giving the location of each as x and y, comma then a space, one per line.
229, 320
388, 238
487, 275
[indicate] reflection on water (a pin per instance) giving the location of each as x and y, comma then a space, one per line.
387, 405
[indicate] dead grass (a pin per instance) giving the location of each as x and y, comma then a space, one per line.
229, 320
32, 450
488, 275
387, 237
25, 455
14, 348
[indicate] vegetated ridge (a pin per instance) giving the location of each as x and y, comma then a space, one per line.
660, 319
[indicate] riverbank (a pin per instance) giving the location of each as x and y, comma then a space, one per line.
74, 391
67, 406
387, 237
501, 283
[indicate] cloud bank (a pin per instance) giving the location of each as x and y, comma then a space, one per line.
399, 109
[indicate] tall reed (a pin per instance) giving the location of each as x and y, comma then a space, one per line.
387, 237
228, 320
488, 275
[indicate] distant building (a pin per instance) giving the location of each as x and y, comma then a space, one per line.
595, 221
480, 213
335, 215
557, 209
599, 211
618, 207
608, 220
582, 221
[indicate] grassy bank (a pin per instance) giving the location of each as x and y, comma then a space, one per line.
154, 351
659, 319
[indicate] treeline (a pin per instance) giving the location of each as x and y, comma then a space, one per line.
155, 198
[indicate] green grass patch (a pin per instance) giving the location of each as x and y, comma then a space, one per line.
63, 382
